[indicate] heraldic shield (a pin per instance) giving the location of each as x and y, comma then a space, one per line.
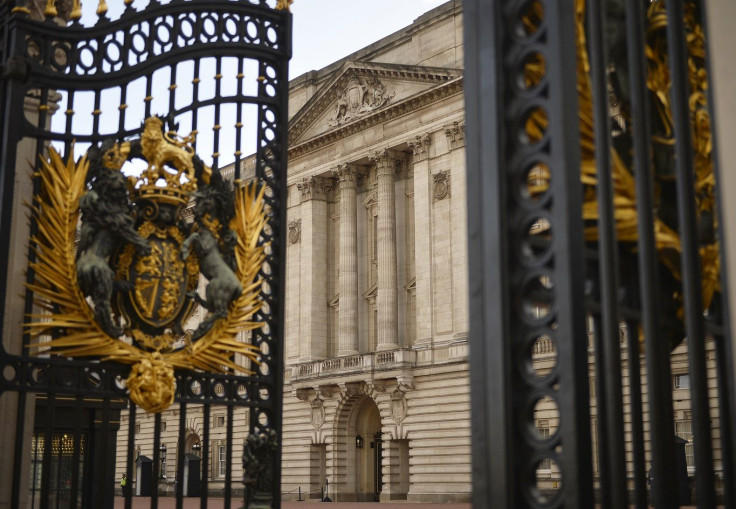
159, 280
126, 290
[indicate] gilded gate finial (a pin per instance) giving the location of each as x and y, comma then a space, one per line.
283, 5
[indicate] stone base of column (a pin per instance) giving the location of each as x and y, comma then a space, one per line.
346, 353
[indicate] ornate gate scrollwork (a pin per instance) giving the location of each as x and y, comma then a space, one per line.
108, 310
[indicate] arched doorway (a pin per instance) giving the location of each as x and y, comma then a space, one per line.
359, 468
192, 465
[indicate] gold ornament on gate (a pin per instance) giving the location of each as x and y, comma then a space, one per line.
125, 290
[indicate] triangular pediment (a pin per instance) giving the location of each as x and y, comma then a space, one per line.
360, 90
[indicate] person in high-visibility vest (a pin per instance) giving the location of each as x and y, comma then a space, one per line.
124, 484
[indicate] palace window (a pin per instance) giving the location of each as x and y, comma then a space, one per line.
221, 460
684, 430
545, 466
682, 381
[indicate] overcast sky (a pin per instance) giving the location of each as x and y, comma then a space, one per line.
328, 30
324, 31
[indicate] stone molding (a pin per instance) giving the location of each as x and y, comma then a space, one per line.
455, 133
295, 231
314, 188
373, 388
441, 185
405, 382
348, 390
420, 146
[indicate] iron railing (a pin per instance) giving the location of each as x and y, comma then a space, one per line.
609, 102
115, 74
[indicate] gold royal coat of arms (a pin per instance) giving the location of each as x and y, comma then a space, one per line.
122, 285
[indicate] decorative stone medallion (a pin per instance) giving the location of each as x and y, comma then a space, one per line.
317, 413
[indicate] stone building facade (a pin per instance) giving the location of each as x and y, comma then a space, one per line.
376, 385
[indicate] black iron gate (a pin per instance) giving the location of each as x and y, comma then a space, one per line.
591, 161
220, 68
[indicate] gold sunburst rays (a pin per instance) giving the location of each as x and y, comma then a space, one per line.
64, 323
55, 288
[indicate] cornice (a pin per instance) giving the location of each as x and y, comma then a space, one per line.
390, 112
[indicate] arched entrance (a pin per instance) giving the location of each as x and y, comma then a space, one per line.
359, 468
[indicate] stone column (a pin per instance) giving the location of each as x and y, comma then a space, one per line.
347, 175
313, 268
423, 239
386, 300
455, 133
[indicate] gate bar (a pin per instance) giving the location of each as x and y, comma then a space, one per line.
659, 383
180, 452
608, 351
690, 260
229, 456
637, 425
78, 422
490, 360
129, 456
205, 453
156, 459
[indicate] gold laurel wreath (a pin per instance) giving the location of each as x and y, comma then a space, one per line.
66, 325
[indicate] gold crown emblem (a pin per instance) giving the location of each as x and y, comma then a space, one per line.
171, 174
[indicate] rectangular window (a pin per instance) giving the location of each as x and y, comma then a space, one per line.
137, 428
221, 460
682, 381
219, 421
684, 430
163, 426
545, 466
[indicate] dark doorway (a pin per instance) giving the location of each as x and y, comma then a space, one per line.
377, 446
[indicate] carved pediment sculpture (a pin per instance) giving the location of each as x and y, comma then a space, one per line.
360, 97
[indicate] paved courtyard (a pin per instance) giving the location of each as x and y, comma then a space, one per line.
219, 503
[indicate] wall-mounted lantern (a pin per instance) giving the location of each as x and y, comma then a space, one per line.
358, 442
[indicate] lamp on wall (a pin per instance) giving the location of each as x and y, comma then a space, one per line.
163, 460
358, 442
196, 448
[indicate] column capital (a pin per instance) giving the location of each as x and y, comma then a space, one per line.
346, 173
419, 146
386, 160
315, 188
455, 133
